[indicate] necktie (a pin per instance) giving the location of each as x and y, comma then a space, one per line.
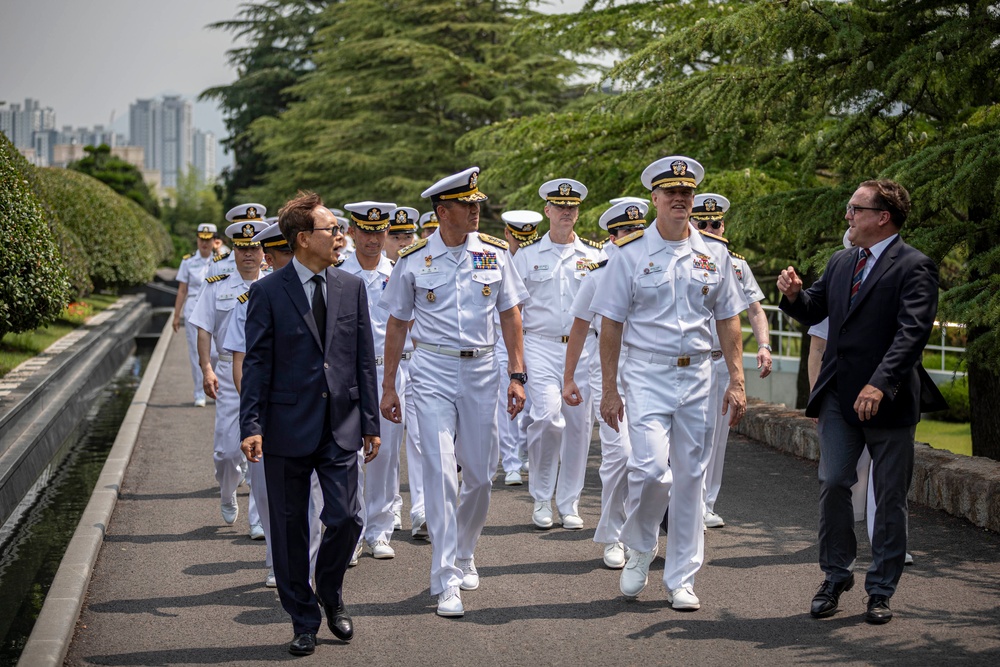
319, 307
859, 270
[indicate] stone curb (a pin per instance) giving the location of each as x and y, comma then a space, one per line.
964, 486
56, 624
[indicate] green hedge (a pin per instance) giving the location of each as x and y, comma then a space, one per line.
33, 284
122, 250
956, 393
163, 245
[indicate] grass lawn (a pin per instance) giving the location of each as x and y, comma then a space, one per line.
956, 438
16, 348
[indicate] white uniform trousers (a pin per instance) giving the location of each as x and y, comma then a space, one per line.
414, 467
718, 432
227, 455
191, 335
615, 451
455, 401
559, 434
668, 411
508, 429
379, 478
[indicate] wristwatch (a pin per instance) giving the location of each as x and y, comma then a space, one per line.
520, 377
765, 346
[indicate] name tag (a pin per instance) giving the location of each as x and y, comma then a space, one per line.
429, 269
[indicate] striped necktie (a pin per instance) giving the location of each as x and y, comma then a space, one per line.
859, 270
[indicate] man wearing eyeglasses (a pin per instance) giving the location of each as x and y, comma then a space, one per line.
708, 215
881, 297
310, 403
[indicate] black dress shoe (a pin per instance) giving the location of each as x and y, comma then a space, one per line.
339, 622
303, 644
825, 601
878, 610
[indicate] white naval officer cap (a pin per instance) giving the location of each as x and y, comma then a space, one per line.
624, 214
619, 200
676, 171
370, 216
271, 238
207, 230
709, 206
246, 212
403, 220
243, 231
463, 187
429, 220
563, 192
523, 225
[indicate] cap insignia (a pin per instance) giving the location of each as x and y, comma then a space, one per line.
251, 212
679, 167
248, 230
401, 217
474, 180
565, 189
632, 212
374, 214
710, 204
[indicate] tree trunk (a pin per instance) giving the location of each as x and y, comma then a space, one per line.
984, 390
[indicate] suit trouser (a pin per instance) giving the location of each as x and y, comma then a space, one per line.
456, 414
668, 410
559, 434
414, 457
229, 459
615, 451
840, 446
380, 476
718, 432
289, 488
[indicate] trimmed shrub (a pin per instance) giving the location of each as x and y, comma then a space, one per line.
159, 237
33, 283
121, 252
956, 393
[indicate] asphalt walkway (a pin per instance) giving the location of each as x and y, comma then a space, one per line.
175, 586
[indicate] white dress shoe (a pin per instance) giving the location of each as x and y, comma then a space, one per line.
356, 556
199, 402
713, 520
513, 478
419, 529
572, 522
230, 510
271, 582
614, 555
450, 603
683, 598
470, 577
524, 466
397, 520
636, 573
541, 516
908, 560
381, 550
256, 532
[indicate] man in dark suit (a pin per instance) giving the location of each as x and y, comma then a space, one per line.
309, 403
881, 297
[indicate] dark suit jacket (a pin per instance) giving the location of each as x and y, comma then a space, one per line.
880, 339
288, 382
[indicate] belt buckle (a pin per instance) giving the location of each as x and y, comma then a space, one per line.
716, 355
684, 361
564, 339
467, 353
379, 360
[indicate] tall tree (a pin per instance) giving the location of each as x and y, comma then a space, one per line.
121, 176
396, 84
278, 37
191, 203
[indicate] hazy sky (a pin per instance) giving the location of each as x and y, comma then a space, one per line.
89, 58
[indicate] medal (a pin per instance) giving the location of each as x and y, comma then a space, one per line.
486, 290
431, 296
427, 262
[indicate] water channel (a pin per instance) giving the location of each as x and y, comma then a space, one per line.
32, 542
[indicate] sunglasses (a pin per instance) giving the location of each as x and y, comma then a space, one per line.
704, 224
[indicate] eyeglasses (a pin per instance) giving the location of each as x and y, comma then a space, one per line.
852, 209
703, 224
325, 229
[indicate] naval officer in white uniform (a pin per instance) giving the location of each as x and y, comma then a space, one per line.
190, 276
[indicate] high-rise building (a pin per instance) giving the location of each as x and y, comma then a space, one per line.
145, 128
203, 156
20, 123
164, 131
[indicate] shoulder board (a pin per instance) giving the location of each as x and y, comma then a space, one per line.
593, 266
525, 244
219, 258
737, 256
592, 244
215, 279
713, 236
413, 247
492, 240
629, 238
187, 256
243, 298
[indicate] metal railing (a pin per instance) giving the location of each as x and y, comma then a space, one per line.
786, 339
